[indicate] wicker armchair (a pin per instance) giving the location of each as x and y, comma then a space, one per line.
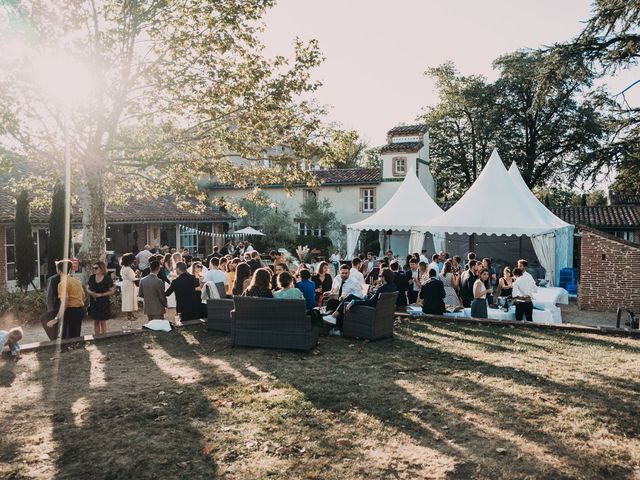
369, 322
272, 323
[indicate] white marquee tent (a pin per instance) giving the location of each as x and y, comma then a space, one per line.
409, 206
500, 203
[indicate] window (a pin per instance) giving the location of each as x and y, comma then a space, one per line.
625, 235
310, 195
189, 239
399, 166
305, 229
10, 252
367, 199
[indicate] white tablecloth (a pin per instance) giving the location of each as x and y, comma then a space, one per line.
539, 316
547, 298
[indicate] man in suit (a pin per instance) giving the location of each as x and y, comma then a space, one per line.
188, 303
432, 294
467, 279
370, 301
401, 283
152, 292
412, 280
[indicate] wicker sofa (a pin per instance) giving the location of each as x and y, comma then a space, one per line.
369, 322
219, 315
272, 323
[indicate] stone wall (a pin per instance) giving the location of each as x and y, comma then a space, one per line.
609, 272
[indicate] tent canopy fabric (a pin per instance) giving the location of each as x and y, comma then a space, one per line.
496, 205
248, 231
410, 205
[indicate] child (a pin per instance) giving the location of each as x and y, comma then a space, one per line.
11, 339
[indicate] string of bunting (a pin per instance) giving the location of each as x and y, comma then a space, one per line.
196, 231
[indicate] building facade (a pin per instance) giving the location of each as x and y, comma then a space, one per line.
355, 193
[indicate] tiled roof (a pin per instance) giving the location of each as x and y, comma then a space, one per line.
408, 129
402, 147
160, 210
348, 176
614, 216
625, 199
163, 210
332, 176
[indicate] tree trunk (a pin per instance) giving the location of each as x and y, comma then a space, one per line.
94, 227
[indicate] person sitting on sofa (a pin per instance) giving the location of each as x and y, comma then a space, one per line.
387, 286
260, 285
287, 290
308, 288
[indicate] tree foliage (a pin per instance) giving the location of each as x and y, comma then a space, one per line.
549, 141
173, 89
24, 245
609, 42
55, 245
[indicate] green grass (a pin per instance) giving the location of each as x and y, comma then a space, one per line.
437, 401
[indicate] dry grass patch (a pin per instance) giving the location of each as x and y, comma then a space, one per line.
437, 401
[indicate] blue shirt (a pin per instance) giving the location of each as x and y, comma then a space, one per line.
4, 340
308, 289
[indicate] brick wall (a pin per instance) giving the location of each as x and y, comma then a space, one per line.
609, 272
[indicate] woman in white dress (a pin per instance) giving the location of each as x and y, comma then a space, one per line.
128, 289
450, 282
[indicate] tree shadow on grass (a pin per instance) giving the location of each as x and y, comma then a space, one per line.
7, 371
373, 382
117, 414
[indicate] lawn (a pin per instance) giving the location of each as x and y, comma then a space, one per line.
440, 400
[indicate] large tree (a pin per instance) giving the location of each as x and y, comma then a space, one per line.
548, 140
609, 42
168, 90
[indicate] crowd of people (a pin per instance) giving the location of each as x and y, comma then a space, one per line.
165, 278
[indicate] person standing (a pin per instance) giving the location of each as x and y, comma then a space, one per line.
480, 291
71, 296
506, 283
432, 294
355, 272
335, 260
450, 282
100, 288
413, 280
53, 307
323, 281
400, 281
128, 289
143, 257
523, 289
187, 297
152, 292
467, 281
435, 258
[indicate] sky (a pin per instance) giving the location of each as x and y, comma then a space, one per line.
378, 50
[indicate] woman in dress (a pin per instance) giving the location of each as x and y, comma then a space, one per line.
506, 283
423, 273
169, 276
243, 278
450, 282
100, 288
129, 290
231, 274
260, 285
480, 292
323, 281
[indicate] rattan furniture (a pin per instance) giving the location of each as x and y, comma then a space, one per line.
272, 323
371, 323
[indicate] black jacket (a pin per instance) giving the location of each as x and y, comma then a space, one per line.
372, 301
188, 302
467, 279
402, 284
432, 294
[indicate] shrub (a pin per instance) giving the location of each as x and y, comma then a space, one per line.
26, 307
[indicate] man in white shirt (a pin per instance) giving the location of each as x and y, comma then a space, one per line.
248, 247
345, 288
434, 264
523, 289
522, 265
354, 272
214, 274
423, 256
143, 257
371, 262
